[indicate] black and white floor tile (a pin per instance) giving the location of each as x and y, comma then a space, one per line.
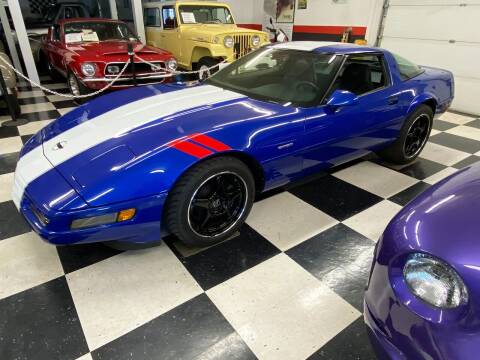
289, 285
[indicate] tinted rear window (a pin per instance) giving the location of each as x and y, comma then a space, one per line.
406, 68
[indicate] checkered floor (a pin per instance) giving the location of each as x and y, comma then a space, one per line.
289, 286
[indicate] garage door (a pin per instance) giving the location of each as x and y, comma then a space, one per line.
439, 33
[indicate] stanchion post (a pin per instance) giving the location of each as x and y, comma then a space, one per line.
15, 121
132, 62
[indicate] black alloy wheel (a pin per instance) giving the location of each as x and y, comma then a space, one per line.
412, 138
417, 136
210, 201
218, 204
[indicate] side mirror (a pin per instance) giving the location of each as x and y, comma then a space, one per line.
341, 98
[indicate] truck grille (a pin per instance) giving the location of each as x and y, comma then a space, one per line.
241, 45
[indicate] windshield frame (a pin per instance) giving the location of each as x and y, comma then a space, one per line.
205, 6
64, 33
320, 98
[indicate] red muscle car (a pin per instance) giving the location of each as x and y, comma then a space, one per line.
90, 53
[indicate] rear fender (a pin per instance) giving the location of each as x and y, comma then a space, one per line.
424, 98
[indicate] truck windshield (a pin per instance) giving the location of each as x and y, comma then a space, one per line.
280, 75
97, 31
200, 14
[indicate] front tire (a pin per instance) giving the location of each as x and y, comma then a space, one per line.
77, 88
206, 67
413, 137
210, 201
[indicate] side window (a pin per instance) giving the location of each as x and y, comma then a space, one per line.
406, 68
169, 17
56, 33
362, 74
152, 17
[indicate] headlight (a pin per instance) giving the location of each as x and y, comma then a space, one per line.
105, 219
256, 40
172, 64
434, 281
88, 69
228, 42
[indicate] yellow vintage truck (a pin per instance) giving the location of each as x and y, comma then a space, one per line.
200, 34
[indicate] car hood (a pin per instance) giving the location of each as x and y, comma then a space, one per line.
444, 220
107, 49
103, 141
212, 30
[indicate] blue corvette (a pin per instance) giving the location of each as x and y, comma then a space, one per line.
134, 164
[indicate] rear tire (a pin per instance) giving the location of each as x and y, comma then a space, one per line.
413, 137
210, 201
205, 67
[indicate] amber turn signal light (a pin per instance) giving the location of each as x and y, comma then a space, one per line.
125, 215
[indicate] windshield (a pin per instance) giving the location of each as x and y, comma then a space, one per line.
97, 31
199, 14
280, 75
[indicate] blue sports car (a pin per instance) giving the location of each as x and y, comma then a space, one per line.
188, 160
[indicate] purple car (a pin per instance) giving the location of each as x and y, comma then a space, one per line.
423, 296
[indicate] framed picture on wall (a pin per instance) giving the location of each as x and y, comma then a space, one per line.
285, 11
302, 4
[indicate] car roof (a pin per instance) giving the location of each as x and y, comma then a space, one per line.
72, 20
327, 47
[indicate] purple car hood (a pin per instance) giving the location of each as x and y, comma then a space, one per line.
444, 220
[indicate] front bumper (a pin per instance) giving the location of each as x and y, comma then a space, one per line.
144, 227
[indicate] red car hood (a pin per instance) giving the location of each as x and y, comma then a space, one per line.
112, 49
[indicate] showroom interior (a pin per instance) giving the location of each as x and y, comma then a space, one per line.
239, 179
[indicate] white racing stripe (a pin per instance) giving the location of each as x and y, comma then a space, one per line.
305, 45
128, 117
109, 125
29, 167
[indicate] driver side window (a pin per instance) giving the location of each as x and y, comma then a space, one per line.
362, 74
169, 18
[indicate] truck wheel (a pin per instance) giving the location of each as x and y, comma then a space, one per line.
210, 201
205, 67
413, 137
77, 88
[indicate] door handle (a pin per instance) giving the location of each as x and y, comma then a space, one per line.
392, 100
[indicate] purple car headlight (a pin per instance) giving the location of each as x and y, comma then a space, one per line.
434, 281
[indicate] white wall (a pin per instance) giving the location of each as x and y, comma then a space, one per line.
246, 11
333, 13
343, 13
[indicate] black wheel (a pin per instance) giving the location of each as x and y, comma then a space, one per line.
205, 67
77, 88
413, 137
210, 201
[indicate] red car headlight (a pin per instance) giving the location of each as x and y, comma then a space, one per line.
88, 69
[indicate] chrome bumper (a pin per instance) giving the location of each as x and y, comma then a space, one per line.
130, 78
